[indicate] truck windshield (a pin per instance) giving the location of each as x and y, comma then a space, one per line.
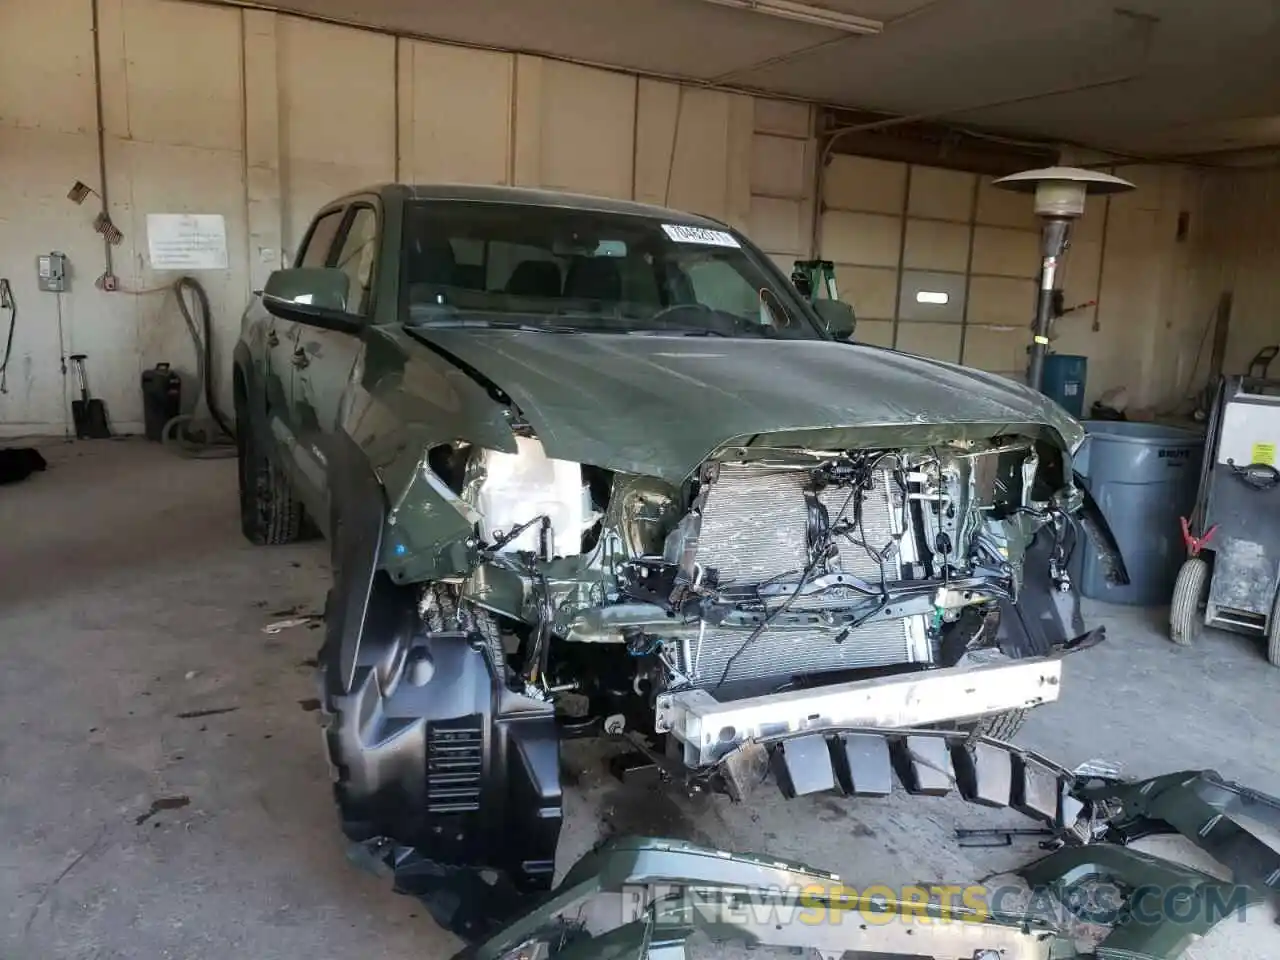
568, 270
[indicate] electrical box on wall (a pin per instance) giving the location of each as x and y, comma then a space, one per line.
51, 272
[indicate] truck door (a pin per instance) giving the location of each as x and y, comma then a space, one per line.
324, 360
282, 343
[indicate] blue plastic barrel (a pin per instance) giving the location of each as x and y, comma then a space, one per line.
1063, 381
1144, 476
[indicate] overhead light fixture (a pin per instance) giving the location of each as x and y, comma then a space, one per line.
806, 13
932, 296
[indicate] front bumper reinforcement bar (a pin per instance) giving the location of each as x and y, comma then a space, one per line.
709, 729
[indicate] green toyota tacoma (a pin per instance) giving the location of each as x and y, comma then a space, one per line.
594, 468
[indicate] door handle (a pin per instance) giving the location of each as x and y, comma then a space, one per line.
300, 358
272, 339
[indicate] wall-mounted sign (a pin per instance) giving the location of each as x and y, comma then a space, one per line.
187, 241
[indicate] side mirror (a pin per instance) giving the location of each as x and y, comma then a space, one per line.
838, 316
316, 296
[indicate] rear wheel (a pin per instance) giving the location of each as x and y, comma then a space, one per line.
269, 512
1185, 621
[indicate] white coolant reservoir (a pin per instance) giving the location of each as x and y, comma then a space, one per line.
522, 485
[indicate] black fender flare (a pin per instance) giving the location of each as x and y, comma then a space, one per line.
1099, 533
255, 398
243, 366
1044, 617
362, 600
390, 720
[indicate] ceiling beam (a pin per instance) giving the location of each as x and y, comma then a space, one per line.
933, 144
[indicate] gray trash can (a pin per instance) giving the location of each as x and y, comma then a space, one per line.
1144, 477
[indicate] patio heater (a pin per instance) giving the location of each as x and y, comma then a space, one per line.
1059, 196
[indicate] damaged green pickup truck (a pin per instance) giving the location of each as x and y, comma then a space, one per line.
589, 467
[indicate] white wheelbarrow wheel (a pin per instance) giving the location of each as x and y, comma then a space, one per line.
1185, 620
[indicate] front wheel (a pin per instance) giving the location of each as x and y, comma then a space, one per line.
998, 726
1185, 621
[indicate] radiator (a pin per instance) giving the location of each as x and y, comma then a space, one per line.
753, 529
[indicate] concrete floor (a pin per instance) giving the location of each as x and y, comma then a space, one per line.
128, 599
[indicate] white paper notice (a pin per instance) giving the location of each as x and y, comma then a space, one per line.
187, 241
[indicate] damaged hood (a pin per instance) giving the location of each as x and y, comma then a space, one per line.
660, 405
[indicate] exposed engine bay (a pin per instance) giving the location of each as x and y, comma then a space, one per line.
769, 569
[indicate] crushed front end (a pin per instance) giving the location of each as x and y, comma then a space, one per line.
778, 584
784, 585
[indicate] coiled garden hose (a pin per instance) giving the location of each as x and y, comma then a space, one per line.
190, 437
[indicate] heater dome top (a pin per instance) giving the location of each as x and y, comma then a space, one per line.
1093, 181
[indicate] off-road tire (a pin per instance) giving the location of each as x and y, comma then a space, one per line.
1185, 621
269, 512
333, 704
998, 726
1273, 634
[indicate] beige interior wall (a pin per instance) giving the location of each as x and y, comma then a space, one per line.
574, 128
1238, 250
337, 114
455, 114
693, 150
1157, 287
783, 152
904, 236
47, 141
1154, 289
262, 117
1126, 254
269, 115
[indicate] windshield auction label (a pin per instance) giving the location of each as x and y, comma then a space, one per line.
685, 234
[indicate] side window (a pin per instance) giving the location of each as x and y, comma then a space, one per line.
356, 253
315, 248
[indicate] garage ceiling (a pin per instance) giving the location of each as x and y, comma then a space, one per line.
1149, 76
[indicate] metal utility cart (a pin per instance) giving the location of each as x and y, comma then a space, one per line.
1233, 534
